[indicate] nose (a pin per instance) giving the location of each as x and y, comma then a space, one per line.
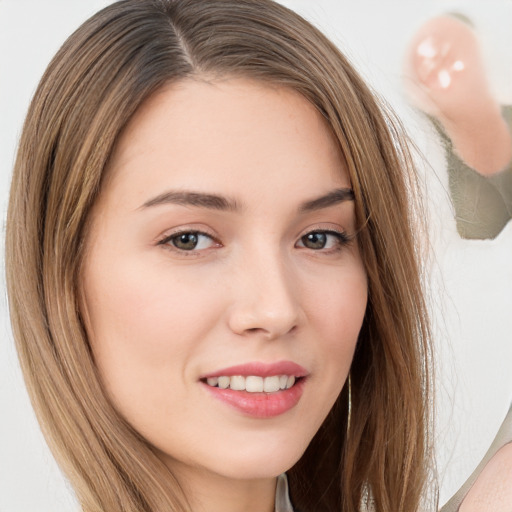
264, 298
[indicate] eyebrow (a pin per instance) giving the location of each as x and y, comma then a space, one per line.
333, 198
222, 203
198, 199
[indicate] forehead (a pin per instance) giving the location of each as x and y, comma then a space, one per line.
233, 134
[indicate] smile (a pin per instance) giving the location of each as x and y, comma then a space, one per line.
258, 390
253, 383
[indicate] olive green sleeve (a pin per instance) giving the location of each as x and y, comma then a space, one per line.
482, 205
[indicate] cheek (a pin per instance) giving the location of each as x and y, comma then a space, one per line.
130, 301
339, 305
336, 314
143, 327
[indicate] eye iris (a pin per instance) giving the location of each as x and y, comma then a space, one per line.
186, 241
315, 240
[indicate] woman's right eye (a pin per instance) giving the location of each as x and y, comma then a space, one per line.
189, 241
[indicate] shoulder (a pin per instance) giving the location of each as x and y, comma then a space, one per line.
492, 491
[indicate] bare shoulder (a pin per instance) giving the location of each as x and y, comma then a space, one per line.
492, 491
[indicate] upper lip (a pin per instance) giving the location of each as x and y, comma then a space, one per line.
260, 369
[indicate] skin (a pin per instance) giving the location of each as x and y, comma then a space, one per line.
492, 491
448, 81
159, 317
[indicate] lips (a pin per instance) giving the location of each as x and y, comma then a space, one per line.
261, 369
259, 390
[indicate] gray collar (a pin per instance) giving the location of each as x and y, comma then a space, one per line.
283, 503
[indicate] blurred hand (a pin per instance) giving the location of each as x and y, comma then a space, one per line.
445, 77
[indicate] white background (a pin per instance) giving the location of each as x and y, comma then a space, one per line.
471, 281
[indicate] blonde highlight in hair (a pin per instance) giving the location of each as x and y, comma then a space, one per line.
91, 89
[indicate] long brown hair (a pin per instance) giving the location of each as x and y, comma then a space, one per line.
91, 89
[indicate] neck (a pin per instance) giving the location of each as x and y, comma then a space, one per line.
210, 492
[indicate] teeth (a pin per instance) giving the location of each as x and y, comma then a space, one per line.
253, 383
224, 382
237, 383
271, 384
212, 381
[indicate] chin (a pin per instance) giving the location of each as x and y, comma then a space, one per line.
249, 457
257, 461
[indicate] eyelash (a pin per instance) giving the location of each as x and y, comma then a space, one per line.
342, 240
166, 241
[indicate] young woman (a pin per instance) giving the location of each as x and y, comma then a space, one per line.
211, 268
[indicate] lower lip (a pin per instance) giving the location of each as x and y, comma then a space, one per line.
260, 405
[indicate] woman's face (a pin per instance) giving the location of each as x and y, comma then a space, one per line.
222, 269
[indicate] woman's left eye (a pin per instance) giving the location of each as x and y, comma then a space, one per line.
189, 241
322, 240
